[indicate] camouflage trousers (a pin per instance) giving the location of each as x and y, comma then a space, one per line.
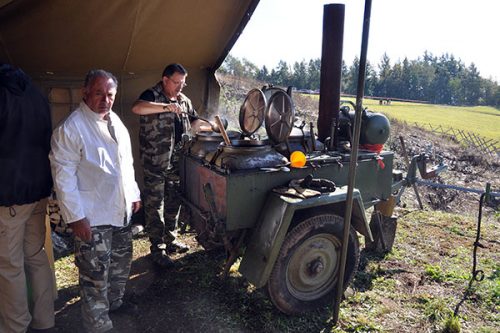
161, 203
104, 267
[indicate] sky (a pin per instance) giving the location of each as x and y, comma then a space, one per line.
291, 30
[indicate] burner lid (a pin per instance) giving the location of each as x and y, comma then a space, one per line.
280, 115
252, 112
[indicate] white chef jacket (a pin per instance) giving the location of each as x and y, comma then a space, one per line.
93, 174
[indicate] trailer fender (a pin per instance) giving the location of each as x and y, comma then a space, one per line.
266, 239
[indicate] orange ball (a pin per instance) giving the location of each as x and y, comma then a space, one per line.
297, 159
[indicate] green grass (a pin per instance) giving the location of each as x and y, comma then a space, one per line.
66, 272
452, 325
480, 120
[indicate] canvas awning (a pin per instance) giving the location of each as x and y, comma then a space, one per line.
68, 37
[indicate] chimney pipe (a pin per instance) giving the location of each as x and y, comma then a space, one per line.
331, 71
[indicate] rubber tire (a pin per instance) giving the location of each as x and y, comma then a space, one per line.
328, 229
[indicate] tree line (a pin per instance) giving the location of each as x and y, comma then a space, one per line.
436, 79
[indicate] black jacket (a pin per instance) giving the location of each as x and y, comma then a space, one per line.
25, 130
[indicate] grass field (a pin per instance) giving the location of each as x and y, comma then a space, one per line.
480, 120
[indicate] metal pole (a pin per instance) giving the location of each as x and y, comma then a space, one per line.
454, 187
354, 158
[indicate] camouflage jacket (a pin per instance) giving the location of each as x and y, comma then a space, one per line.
159, 132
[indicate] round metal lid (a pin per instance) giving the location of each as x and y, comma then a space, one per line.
269, 91
280, 114
252, 111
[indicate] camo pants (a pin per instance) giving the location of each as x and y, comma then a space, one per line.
158, 156
104, 267
161, 204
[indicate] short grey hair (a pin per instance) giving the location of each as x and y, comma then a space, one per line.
95, 73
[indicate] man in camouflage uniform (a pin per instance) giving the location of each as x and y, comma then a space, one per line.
92, 167
166, 113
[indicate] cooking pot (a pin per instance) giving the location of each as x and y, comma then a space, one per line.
246, 155
205, 142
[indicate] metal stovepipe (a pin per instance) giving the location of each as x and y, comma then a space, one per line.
331, 71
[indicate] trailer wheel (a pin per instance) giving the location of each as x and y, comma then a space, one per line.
304, 276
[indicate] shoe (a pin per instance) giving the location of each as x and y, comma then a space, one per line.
41, 330
137, 229
114, 306
124, 307
161, 259
177, 246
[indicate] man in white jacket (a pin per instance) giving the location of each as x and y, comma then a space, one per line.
92, 167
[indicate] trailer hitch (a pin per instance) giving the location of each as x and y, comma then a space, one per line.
417, 162
420, 162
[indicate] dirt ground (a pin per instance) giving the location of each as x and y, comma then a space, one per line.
164, 298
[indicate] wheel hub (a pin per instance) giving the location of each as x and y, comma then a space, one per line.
313, 268
316, 267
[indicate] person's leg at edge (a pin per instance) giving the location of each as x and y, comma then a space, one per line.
14, 314
38, 271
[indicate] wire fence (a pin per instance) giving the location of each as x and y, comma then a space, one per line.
484, 145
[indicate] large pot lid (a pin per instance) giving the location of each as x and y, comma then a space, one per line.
280, 115
252, 112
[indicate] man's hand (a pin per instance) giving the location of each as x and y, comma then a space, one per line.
81, 229
136, 206
173, 107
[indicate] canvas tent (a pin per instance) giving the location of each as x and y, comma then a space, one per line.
57, 41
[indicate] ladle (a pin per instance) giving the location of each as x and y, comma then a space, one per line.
215, 127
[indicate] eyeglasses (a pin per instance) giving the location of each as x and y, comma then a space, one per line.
178, 83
